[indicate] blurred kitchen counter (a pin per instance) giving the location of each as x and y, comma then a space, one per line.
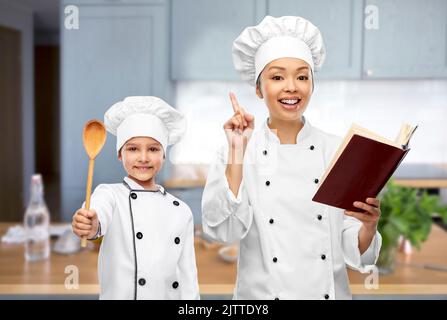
422, 175
216, 277
184, 183
417, 175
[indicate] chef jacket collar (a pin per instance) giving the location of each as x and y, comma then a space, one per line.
304, 133
135, 186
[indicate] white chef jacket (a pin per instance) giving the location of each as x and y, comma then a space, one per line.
148, 247
290, 246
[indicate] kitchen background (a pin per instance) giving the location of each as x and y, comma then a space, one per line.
62, 65
65, 62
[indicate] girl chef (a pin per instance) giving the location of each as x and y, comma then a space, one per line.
260, 188
148, 247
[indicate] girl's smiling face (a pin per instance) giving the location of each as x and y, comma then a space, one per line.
142, 159
286, 86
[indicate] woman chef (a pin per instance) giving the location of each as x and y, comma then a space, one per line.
260, 188
148, 247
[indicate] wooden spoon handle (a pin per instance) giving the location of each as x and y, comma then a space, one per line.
88, 192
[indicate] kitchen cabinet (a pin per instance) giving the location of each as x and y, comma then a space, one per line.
340, 23
407, 40
119, 50
115, 2
202, 36
410, 41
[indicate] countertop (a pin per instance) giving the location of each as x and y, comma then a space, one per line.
421, 175
216, 277
418, 175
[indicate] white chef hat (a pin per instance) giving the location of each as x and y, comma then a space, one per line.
144, 116
274, 38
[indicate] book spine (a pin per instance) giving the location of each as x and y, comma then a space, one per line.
391, 172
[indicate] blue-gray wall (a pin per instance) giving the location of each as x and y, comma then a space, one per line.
119, 50
141, 47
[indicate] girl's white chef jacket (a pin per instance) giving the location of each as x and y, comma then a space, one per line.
148, 247
290, 246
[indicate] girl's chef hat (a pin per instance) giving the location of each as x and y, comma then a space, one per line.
144, 116
274, 38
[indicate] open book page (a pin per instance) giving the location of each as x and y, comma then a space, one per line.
371, 135
404, 130
404, 135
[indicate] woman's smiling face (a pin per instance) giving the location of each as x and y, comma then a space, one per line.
286, 86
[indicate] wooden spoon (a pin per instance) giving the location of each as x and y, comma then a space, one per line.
94, 137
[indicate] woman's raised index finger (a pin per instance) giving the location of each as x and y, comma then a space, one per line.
234, 103
236, 107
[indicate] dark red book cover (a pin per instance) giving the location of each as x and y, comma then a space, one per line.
361, 171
